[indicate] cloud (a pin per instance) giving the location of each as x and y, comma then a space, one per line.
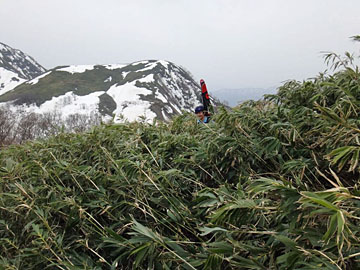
232, 43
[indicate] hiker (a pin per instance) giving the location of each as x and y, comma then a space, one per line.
203, 116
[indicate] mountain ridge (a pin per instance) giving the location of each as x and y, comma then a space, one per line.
151, 88
16, 67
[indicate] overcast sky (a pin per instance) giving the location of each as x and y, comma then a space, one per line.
229, 43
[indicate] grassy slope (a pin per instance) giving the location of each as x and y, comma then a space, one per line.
271, 185
60, 82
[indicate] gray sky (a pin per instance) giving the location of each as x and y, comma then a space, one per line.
229, 43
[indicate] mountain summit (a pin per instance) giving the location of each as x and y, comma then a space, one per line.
16, 67
151, 89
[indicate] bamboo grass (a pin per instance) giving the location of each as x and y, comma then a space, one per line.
272, 184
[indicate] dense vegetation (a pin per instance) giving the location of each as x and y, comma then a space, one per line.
272, 184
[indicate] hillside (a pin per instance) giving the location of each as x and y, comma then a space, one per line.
16, 67
272, 184
154, 89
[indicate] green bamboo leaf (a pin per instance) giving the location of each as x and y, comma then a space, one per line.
221, 247
173, 217
144, 231
332, 227
244, 263
286, 241
140, 248
208, 203
289, 259
177, 248
318, 200
207, 230
141, 253
265, 185
115, 236
330, 114
340, 152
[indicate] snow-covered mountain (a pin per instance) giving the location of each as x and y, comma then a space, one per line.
16, 67
151, 89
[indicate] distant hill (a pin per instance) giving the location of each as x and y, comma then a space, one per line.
235, 96
152, 89
16, 67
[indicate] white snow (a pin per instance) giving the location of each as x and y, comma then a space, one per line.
160, 96
124, 73
149, 66
149, 78
6, 80
135, 111
68, 104
164, 115
36, 80
140, 62
77, 68
127, 92
164, 63
177, 108
128, 103
108, 79
168, 109
115, 66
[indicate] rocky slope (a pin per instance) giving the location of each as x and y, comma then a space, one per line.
16, 67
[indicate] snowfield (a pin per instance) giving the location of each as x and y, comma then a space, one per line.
128, 103
77, 68
8, 80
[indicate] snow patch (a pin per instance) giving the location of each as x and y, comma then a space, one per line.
108, 79
168, 109
164, 115
8, 80
160, 96
164, 63
149, 66
134, 111
115, 66
148, 79
125, 73
77, 68
128, 102
140, 62
70, 103
176, 108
